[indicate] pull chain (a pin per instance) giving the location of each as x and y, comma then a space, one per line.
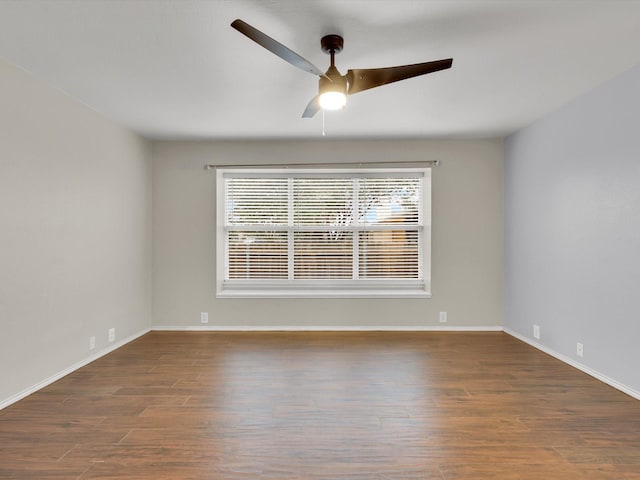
323, 132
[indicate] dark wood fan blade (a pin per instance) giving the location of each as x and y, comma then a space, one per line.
312, 108
276, 48
364, 79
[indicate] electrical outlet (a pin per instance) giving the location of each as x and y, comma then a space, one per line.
92, 343
204, 317
580, 349
536, 331
443, 317
112, 334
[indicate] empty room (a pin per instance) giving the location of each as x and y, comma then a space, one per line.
320, 239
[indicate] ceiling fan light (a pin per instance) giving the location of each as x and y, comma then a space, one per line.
332, 100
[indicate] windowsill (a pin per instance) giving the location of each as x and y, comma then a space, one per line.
323, 294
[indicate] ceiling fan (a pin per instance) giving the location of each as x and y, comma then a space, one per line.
334, 87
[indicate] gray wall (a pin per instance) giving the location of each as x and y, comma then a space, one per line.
466, 252
75, 232
572, 229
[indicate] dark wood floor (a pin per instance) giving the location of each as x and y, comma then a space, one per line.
359, 406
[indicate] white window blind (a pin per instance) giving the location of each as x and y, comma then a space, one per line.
324, 232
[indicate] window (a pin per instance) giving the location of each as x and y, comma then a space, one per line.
323, 232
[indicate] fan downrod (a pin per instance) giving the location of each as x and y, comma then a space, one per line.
331, 44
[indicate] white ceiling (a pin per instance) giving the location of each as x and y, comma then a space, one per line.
176, 69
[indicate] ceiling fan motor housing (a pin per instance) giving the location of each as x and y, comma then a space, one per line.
335, 82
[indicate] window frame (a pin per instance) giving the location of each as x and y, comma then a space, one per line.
328, 288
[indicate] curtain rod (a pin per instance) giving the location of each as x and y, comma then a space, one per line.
431, 163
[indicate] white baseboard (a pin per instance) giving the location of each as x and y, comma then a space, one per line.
316, 328
570, 361
288, 328
57, 376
